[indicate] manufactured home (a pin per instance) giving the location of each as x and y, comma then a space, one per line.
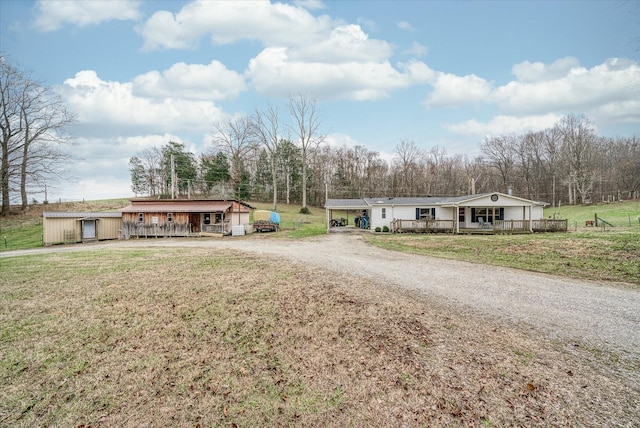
70, 227
183, 217
482, 213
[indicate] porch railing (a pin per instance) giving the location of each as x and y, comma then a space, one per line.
215, 228
402, 226
512, 225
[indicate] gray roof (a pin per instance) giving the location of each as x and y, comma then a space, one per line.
61, 214
357, 203
413, 201
425, 200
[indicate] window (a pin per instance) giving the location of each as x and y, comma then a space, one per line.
169, 217
461, 215
384, 213
425, 213
486, 214
140, 217
207, 218
218, 218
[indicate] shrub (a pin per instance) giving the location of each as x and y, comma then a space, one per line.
305, 210
385, 229
378, 229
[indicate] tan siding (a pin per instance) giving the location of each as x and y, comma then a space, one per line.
108, 228
58, 230
54, 230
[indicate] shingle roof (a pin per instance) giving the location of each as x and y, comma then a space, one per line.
413, 201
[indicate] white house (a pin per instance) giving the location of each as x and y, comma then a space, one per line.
491, 212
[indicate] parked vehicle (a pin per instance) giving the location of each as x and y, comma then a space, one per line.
266, 221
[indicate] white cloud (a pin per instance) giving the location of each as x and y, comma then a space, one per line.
310, 4
450, 90
504, 125
53, 14
105, 186
274, 73
338, 139
528, 72
416, 49
229, 21
190, 81
566, 86
346, 43
113, 107
404, 25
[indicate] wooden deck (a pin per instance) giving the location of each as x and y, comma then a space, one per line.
422, 226
499, 227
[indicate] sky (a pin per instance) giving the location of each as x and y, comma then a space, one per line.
139, 74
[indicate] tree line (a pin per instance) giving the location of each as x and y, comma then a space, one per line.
567, 163
33, 120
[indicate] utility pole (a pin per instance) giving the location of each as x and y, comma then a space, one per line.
173, 178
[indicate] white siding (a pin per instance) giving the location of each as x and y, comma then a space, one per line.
376, 219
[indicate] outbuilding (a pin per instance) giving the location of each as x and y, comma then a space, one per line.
70, 227
183, 217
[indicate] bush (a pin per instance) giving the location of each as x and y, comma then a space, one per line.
385, 229
378, 229
305, 210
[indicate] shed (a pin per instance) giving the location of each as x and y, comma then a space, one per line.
73, 227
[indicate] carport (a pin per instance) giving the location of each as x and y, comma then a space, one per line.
352, 209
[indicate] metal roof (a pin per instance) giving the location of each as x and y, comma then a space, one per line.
178, 205
81, 215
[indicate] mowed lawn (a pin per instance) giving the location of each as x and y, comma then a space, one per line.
205, 337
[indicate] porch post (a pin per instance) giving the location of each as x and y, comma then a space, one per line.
530, 219
328, 215
493, 225
457, 219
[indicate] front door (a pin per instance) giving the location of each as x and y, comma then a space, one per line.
88, 229
194, 220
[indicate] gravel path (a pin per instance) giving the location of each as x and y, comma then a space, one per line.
600, 315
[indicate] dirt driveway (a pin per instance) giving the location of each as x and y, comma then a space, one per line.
598, 315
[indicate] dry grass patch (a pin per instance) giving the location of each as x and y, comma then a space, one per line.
213, 338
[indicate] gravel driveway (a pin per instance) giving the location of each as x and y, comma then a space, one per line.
600, 315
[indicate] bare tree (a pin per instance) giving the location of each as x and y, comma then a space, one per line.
32, 119
44, 117
406, 161
10, 82
307, 123
237, 140
580, 152
501, 155
266, 127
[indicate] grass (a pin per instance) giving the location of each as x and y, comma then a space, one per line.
593, 254
204, 337
620, 214
295, 225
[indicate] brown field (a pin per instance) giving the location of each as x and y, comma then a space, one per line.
210, 337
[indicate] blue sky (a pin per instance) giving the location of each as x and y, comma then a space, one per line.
141, 73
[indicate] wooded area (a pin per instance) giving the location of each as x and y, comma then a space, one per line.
564, 164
